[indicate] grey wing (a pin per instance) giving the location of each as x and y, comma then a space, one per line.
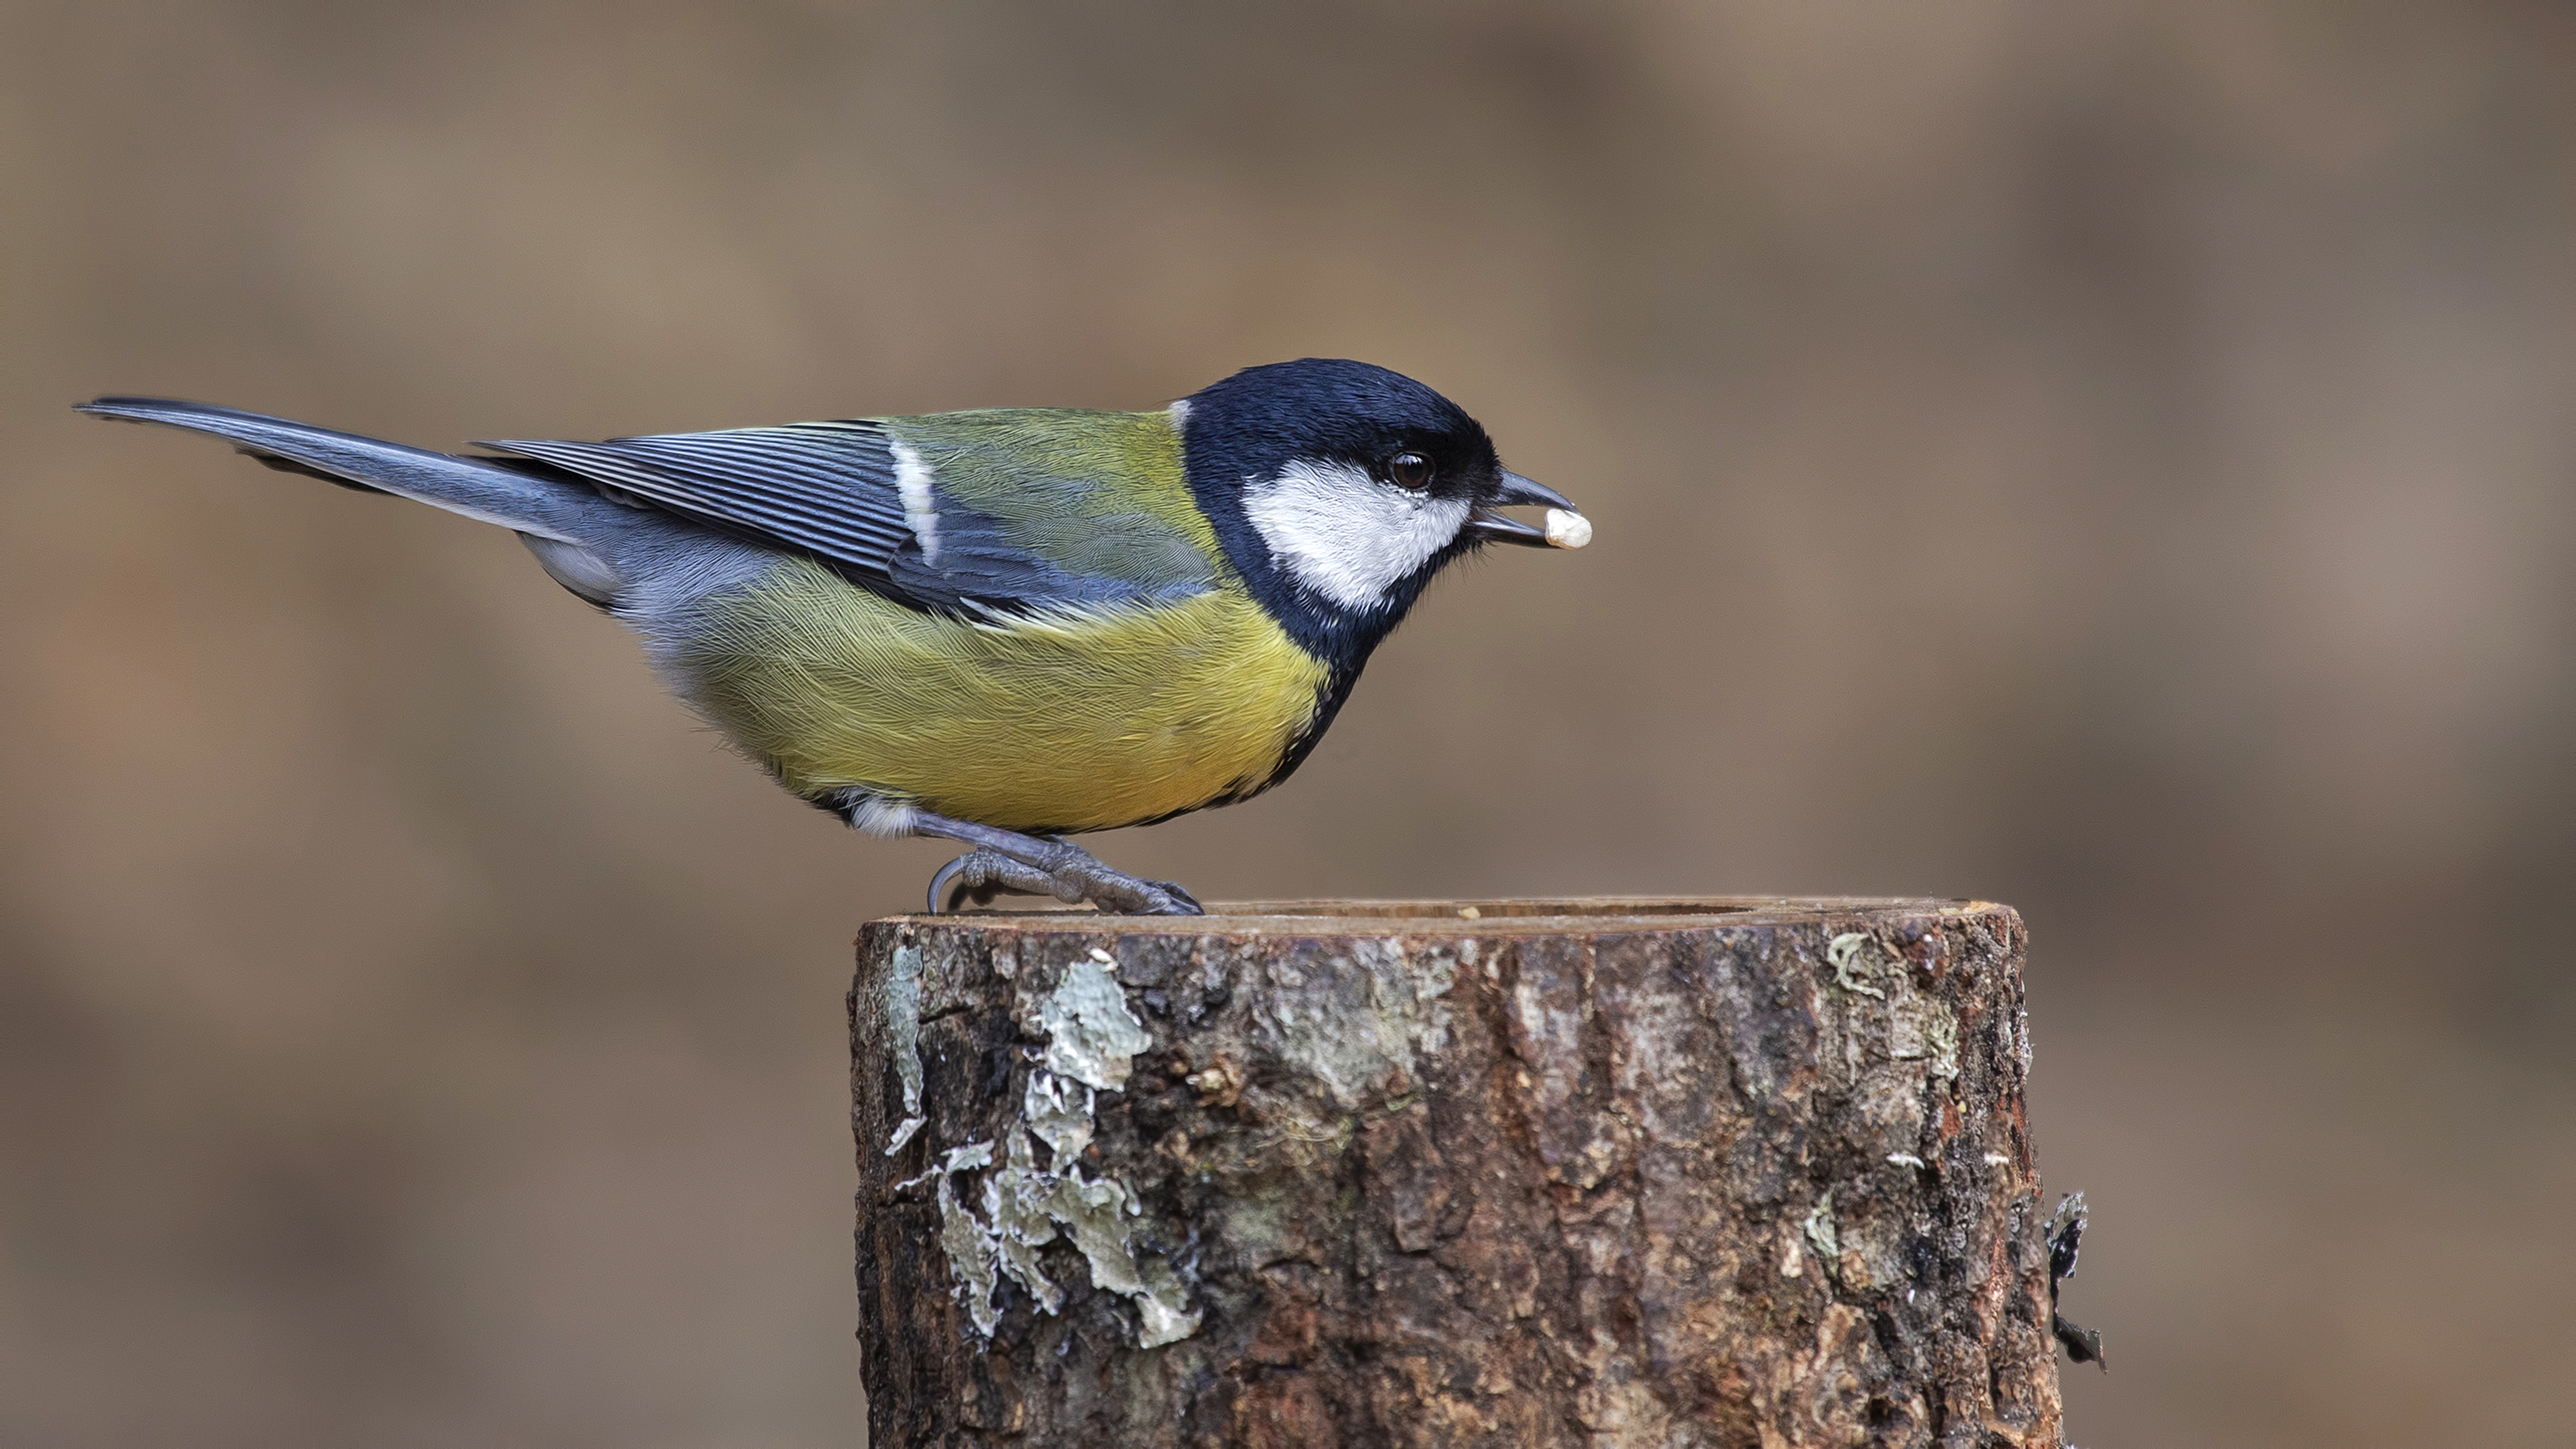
824, 489
836, 492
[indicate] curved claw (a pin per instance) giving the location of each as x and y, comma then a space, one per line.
940, 901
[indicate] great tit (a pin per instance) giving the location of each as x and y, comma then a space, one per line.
998, 627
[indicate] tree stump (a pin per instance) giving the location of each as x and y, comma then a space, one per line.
1513, 1173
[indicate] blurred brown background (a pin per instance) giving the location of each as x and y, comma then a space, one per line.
2114, 458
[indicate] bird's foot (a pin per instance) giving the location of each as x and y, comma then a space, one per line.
1089, 878
979, 875
1027, 865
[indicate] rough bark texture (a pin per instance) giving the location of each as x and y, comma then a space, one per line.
1638, 1172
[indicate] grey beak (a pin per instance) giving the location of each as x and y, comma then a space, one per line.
1520, 492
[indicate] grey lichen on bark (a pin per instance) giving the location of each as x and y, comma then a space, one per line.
1715, 1172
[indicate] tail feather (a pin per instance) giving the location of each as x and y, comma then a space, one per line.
489, 491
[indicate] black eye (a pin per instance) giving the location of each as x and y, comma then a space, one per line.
1412, 470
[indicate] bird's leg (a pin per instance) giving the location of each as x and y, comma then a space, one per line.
1031, 865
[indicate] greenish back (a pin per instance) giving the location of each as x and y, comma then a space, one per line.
1096, 493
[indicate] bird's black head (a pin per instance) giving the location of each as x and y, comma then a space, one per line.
1339, 489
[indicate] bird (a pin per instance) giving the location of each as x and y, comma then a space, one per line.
1000, 627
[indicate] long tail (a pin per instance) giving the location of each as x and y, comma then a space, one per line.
535, 506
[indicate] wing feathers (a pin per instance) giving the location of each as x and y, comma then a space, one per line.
830, 490
826, 489
1032, 540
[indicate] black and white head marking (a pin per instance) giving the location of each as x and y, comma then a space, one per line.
1346, 534
1338, 489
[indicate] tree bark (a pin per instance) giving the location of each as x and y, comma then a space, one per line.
1616, 1172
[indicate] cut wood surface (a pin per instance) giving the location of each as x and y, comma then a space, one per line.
1740, 1172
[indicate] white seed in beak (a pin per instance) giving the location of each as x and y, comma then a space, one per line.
1568, 529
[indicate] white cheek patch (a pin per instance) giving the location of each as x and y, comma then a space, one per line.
1346, 535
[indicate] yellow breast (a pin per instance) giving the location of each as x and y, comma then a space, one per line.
1078, 721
